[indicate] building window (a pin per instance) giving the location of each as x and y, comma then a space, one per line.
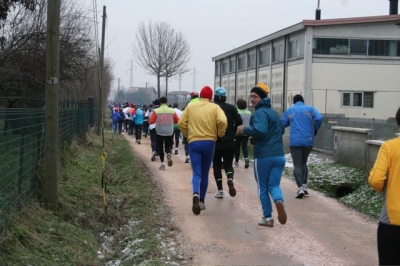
358, 99
383, 48
277, 52
225, 67
232, 64
358, 47
368, 100
251, 60
265, 57
296, 48
331, 46
217, 68
242, 62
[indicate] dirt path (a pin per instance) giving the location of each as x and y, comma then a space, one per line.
319, 230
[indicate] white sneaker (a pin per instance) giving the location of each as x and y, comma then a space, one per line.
246, 163
305, 189
153, 156
220, 194
169, 159
236, 164
280, 208
202, 206
300, 193
269, 222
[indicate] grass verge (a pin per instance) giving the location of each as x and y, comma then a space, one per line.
136, 229
347, 184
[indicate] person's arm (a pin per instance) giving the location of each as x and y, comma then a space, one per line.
284, 119
153, 118
183, 123
259, 126
176, 118
237, 118
222, 122
378, 173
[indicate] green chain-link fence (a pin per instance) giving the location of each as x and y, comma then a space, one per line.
22, 142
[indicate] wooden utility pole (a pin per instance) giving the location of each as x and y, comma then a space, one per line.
100, 121
51, 157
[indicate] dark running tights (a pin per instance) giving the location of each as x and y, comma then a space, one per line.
241, 142
227, 156
163, 142
388, 244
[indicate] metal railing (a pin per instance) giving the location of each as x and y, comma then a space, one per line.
380, 129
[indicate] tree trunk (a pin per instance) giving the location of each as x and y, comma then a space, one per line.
158, 86
166, 87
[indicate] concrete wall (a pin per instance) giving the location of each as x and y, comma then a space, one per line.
285, 139
349, 145
373, 147
295, 80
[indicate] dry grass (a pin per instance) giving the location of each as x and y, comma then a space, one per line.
128, 232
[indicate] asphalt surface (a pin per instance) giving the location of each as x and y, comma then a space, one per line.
319, 231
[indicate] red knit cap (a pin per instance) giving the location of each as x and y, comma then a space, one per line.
206, 92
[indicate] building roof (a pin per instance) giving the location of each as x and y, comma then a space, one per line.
307, 23
179, 93
344, 21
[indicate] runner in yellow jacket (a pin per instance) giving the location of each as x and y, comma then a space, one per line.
201, 123
385, 177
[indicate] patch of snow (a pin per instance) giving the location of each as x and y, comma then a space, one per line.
313, 158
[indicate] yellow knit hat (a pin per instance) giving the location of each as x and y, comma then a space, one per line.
261, 89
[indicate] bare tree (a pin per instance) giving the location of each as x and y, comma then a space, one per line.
23, 47
176, 56
6, 5
160, 50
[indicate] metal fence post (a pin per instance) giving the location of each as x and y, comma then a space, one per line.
21, 147
373, 129
91, 111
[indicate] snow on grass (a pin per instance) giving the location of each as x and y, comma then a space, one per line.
348, 184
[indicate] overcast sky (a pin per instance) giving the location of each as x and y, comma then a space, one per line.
211, 27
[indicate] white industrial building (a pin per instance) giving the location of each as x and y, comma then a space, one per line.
347, 66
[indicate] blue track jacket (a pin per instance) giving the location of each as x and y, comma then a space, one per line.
303, 120
138, 117
266, 130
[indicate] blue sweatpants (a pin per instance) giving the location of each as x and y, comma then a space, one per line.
268, 174
201, 155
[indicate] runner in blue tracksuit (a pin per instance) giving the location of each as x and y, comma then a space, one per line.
115, 118
304, 121
266, 130
138, 121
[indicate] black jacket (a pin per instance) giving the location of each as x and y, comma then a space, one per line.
234, 120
